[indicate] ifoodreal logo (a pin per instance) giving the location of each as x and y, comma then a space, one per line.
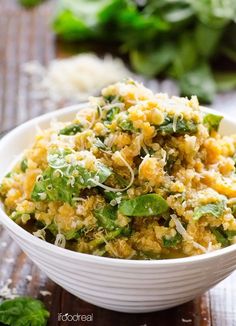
75, 317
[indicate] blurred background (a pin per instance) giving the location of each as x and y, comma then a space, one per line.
184, 47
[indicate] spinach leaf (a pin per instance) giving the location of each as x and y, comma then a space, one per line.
230, 234
23, 311
71, 130
108, 237
151, 63
24, 165
209, 209
62, 181
112, 113
182, 127
106, 217
199, 81
30, 3
126, 125
233, 209
170, 162
144, 205
212, 121
172, 242
225, 81
220, 235
99, 144
109, 98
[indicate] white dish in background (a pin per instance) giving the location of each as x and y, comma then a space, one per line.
116, 284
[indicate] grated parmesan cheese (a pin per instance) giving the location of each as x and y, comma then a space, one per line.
75, 78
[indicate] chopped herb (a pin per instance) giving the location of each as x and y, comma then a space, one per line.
209, 209
144, 205
212, 121
71, 130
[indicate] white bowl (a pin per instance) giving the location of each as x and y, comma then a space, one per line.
116, 284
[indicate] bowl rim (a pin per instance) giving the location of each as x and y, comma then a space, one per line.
23, 234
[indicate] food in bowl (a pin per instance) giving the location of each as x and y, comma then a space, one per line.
135, 175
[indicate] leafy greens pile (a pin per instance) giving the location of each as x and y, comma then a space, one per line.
174, 38
23, 311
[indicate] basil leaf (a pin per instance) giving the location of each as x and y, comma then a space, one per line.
182, 127
144, 205
212, 121
209, 209
23, 311
172, 242
71, 130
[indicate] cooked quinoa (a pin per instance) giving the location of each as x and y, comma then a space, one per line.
135, 175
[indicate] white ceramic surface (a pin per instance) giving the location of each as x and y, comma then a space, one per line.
121, 285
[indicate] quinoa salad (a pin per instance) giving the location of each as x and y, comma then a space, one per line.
135, 175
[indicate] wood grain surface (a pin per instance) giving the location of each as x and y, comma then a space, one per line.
25, 36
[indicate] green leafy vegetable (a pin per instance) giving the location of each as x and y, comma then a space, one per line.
144, 205
172, 242
225, 81
110, 236
182, 127
99, 144
30, 3
24, 165
62, 181
71, 130
199, 81
220, 235
178, 39
109, 98
170, 161
23, 311
126, 125
112, 113
106, 217
209, 209
212, 121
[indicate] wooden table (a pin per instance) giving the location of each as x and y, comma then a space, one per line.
25, 36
